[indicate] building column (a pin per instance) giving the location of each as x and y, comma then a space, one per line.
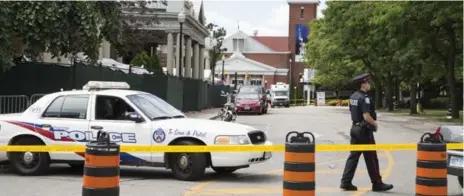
106, 49
206, 58
196, 61
188, 58
177, 54
201, 63
170, 54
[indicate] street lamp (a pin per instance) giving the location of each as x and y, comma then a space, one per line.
290, 70
181, 18
223, 58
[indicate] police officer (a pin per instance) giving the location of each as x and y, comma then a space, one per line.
364, 124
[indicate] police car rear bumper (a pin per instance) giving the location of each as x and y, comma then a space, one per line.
238, 159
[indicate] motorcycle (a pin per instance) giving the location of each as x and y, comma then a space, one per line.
228, 112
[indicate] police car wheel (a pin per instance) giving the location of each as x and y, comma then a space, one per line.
29, 163
460, 180
224, 170
188, 166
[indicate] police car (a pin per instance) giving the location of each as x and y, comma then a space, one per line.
130, 118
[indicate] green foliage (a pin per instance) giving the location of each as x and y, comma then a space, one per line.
150, 63
338, 102
406, 41
65, 27
439, 103
218, 34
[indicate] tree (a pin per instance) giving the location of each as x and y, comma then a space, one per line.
150, 63
62, 28
333, 70
394, 41
443, 23
218, 34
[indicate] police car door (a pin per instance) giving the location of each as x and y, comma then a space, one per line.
66, 122
108, 115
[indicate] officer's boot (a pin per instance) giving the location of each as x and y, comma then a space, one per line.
379, 187
348, 187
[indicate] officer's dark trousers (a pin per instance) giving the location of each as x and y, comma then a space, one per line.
362, 136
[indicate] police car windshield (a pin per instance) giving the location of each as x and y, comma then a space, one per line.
154, 107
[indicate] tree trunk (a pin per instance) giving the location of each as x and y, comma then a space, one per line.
390, 94
397, 91
377, 94
413, 100
450, 77
450, 73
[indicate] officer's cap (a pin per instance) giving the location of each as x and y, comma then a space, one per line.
361, 78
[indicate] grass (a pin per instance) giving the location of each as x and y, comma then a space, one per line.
431, 114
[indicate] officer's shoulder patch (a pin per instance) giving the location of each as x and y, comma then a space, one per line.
367, 101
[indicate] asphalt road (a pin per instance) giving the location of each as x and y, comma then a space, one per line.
330, 125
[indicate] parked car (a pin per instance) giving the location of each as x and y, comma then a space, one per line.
250, 103
454, 134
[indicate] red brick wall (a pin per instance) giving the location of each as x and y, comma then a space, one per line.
283, 79
310, 13
275, 60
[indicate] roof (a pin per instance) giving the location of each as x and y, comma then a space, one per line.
276, 43
237, 62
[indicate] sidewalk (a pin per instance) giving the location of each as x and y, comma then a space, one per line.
211, 114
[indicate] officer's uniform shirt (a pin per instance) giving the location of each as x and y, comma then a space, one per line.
360, 103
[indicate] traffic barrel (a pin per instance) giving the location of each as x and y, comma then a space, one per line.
101, 169
431, 170
299, 165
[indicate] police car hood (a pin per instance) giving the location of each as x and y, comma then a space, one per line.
204, 125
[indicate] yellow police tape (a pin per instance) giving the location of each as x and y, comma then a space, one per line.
224, 148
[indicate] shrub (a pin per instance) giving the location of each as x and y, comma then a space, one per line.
439, 103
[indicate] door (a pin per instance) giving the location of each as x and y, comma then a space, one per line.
110, 115
65, 122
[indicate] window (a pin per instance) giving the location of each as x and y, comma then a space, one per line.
111, 108
74, 106
240, 82
154, 107
302, 13
239, 44
53, 110
255, 82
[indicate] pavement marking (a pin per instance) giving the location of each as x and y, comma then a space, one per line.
259, 191
391, 163
198, 189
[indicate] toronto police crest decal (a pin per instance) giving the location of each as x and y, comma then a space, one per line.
159, 135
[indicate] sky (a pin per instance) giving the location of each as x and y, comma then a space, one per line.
269, 17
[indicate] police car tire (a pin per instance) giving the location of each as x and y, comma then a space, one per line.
460, 180
224, 170
44, 159
198, 167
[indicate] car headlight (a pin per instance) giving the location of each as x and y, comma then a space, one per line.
232, 140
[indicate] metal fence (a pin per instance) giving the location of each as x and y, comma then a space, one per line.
17, 103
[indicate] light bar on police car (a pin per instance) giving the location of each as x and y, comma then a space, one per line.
105, 85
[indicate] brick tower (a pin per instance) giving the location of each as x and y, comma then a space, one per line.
300, 14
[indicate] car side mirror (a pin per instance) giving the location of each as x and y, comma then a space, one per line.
134, 116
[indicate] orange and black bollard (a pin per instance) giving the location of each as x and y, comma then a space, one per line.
299, 165
101, 170
431, 171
